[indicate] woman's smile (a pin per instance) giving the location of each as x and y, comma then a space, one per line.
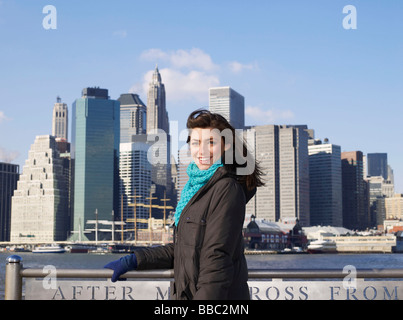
205, 160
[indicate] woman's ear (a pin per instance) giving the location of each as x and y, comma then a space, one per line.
227, 147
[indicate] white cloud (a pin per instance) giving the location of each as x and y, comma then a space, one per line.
195, 58
261, 116
180, 86
3, 117
188, 73
154, 55
190, 59
8, 156
120, 34
237, 67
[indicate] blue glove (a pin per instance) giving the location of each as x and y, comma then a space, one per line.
121, 266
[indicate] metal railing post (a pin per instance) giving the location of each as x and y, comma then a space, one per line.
13, 285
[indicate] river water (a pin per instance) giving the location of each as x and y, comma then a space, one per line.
269, 261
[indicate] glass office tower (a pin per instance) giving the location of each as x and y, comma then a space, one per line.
95, 158
377, 165
326, 197
9, 175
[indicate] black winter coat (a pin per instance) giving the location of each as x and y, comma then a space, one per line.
208, 251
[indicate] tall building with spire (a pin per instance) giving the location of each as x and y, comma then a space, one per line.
159, 139
157, 115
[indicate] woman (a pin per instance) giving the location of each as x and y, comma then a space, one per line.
208, 252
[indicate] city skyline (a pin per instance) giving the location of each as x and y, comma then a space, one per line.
294, 64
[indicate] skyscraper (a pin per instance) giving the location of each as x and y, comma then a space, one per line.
39, 205
133, 116
157, 115
377, 164
380, 181
266, 203
60, 120
95, 157
159, 138
135, 181
294, 173
9, 175
355, 191
325, 185
229, 103
282, 152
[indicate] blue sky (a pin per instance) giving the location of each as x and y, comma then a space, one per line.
292, 60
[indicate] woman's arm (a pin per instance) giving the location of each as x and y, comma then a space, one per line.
147, 258
161, 257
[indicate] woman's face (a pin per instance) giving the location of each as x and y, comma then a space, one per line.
206, 147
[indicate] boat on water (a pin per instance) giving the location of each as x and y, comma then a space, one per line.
322, 246
80, 248
50, 248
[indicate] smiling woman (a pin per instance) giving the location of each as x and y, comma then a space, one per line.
208, 251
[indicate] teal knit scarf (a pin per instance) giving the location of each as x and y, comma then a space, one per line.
197, 179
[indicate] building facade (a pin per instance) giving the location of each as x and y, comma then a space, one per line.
294, 173
377, 164
379, 190
159, 139
282, 152
230, 104
355, 191
9, 175
133, 116
157, 115
394, 207
60, 123
266, 203
95, 158
326, 198
135, 185
40, 202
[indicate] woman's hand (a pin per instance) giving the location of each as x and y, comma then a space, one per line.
121, 266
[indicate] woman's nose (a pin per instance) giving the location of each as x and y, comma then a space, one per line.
204, 149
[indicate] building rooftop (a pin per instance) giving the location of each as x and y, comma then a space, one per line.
130, 99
